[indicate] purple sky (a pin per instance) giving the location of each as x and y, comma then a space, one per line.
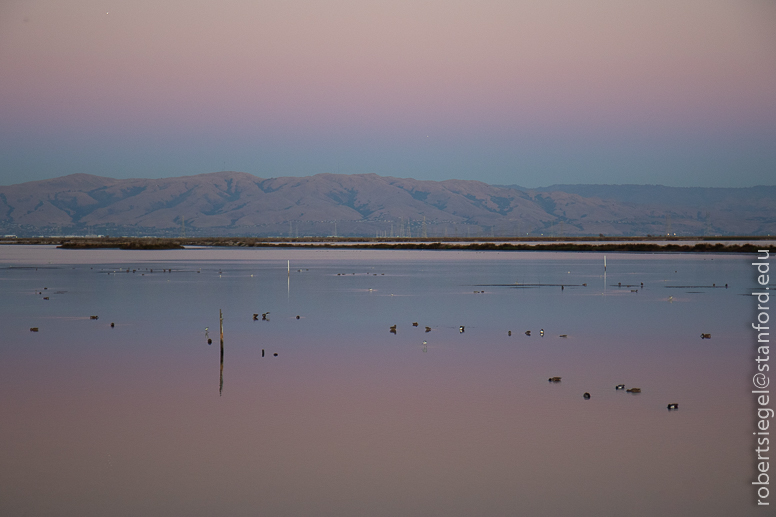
510, 92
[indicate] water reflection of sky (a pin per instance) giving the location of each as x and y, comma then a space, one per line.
350, 419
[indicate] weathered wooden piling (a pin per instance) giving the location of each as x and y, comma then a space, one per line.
221, 331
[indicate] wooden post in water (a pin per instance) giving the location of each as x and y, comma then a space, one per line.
221, 329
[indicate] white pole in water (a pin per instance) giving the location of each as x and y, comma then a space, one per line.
289, 268
604, 262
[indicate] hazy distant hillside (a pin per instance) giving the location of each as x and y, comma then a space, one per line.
723, 211
236, 203
659, 194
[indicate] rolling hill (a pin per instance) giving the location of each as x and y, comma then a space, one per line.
237, 203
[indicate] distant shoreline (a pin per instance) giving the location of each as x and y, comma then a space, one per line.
598, 244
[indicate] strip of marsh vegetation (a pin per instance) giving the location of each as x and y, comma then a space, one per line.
597, 244
124, 244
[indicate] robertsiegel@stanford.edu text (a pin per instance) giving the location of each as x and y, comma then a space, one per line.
761, 379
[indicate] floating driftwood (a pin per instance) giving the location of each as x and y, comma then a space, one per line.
517, 284
712, 286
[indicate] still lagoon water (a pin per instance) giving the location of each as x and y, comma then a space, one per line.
134, 413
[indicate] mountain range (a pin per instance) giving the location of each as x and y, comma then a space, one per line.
237, 203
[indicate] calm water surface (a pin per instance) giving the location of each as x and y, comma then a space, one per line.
351, 420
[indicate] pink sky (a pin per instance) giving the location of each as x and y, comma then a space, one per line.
533, 92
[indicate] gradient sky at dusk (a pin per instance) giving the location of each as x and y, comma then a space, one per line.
530, 92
